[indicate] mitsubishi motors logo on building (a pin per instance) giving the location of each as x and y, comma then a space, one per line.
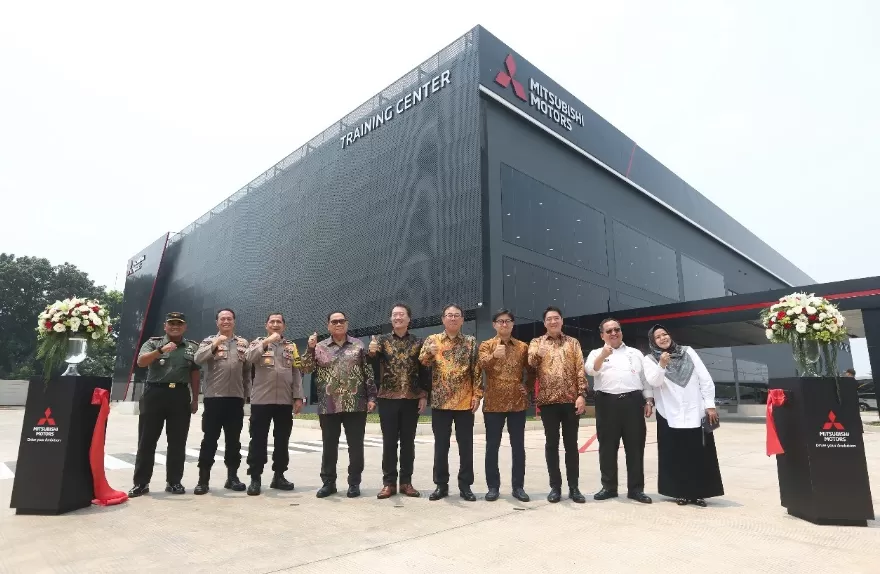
506, 77
45, 429
833, 435
540, 97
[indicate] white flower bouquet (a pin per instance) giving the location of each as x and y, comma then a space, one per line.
808, 323
63, 319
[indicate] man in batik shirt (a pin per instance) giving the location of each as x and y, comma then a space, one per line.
509, 381
346, 393
401, 399
558, 361
456, 390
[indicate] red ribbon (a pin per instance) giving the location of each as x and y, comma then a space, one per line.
775, 398
104, 495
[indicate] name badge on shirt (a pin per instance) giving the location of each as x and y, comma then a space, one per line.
269, 358
222, 351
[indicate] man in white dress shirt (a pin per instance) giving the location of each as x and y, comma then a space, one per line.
623, 401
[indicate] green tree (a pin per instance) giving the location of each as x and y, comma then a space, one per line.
27, 285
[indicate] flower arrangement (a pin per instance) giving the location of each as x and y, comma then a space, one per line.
61, 320
808, 323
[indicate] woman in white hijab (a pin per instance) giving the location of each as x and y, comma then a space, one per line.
688, 462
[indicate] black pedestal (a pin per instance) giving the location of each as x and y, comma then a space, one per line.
52, 473
823, 475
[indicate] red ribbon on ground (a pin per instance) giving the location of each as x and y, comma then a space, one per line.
104, 495
775, 398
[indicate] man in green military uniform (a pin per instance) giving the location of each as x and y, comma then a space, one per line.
171, 374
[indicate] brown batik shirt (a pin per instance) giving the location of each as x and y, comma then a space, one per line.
560, 371
508, 380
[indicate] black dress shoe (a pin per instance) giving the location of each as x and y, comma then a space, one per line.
520, 495
353, 491
201, 488
280, 483
175, 488
640, 497
555, 495
439, 492
139, 490
699, 502
232, 483
605, 494
492, 495
466, 493
326, 490
575, 495
681, 501
254, 487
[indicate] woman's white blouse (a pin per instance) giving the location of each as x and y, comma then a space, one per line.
683, 407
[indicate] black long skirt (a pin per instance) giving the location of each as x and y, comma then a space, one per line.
688, 463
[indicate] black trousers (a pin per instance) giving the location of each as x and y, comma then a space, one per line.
261, 417
621, 416
516, 428
441, 424
554, 416
222, 414
355, 425
399, 419
162, 406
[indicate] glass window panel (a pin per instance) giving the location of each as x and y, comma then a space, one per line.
663, 270
699, 281
539, 218
630, 302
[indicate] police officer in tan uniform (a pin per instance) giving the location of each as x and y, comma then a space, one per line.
276, 395
171, 374
227, 376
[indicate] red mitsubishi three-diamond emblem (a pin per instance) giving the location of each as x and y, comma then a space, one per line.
47, 419
506, 78
832, 422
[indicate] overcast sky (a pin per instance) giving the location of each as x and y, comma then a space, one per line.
118, 124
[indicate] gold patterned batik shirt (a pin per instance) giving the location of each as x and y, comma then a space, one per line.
455, 379
508, 380
560, 371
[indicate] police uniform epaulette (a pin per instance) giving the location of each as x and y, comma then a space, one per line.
156, 338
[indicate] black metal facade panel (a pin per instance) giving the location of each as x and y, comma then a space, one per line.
513, 143
393, 214
538, 94
143, 270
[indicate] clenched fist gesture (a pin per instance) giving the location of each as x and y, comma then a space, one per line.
168, 348
274, 337
374, 346
219, 340
313, 340
431, 345
500, 351
664, 360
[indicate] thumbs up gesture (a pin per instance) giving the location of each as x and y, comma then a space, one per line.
374, 346
313, 340
500, 351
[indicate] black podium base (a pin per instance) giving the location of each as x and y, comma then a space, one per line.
823, 475
52, 473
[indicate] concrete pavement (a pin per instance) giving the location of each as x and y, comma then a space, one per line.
745, 531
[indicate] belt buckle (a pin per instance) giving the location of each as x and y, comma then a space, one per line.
172, 385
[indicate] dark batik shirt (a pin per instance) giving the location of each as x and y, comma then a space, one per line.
399, 367
343, 376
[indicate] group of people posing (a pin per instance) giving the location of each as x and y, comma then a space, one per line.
502, 373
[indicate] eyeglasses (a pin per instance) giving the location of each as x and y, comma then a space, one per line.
453, 315
612, 330
504, 321
338, 321
398, 315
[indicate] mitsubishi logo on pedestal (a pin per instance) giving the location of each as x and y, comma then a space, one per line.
46, 419
832, 422
505, 79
